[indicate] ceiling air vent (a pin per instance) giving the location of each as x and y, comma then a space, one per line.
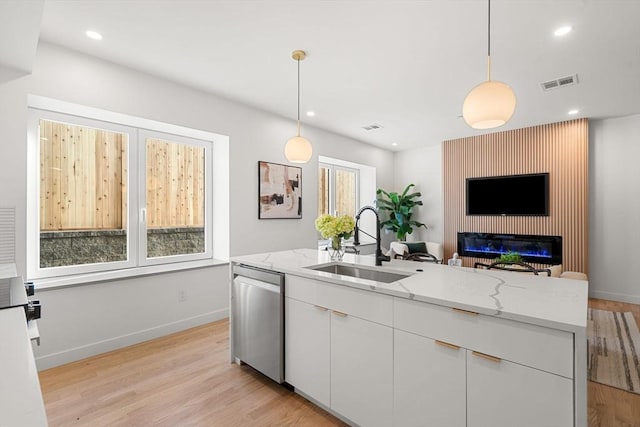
372, 127
560, 82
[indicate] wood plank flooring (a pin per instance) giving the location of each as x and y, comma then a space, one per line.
185, 379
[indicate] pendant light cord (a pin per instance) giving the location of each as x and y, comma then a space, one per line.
298, 96
489, 40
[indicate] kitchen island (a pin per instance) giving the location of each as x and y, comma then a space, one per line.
442, 346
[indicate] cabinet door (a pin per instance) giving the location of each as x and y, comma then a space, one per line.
505, 394
429, 382
361, 370
306, 349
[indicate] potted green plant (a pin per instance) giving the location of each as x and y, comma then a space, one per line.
399, 207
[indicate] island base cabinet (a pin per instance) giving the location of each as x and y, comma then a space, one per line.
506, 394
307, 349
361, 370
429, 382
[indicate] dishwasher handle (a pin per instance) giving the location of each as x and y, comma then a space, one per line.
267, 276
257, 284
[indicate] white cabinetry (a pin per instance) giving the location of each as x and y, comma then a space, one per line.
339, 348
307, 349
361, 370
378, 360
430, 382
505, 394
515, 374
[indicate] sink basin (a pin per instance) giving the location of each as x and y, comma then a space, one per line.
360, 272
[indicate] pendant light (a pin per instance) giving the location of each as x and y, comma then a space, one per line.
298, 149
492, 103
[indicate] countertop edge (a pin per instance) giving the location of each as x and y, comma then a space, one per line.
403, 292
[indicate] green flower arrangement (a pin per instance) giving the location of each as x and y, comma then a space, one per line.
335, 228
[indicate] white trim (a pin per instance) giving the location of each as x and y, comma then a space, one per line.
55, 105
102, 276
615, 296
71, 355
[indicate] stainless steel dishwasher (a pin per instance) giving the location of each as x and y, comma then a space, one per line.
258, 319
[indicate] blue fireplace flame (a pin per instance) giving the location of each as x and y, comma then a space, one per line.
541, 249
490, 249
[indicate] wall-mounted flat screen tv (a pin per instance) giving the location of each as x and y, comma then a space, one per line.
509, 195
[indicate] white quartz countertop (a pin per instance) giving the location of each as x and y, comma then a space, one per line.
545, 301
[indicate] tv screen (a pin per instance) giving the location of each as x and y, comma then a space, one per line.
508, 195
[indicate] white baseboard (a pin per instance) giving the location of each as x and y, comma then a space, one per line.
614, 296
78, 353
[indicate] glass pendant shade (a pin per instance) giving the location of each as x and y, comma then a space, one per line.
298, 150
489, 105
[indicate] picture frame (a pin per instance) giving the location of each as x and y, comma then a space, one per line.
279, 191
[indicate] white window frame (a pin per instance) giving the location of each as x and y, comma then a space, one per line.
216, 182
365, 189
143, 134
333, 168
33, 196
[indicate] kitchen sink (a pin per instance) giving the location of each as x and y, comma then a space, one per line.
360, 272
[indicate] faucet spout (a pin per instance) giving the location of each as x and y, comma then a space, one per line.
356, 234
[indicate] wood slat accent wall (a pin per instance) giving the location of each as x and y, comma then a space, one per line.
559, 148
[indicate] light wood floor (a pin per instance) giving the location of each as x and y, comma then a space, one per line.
185, 379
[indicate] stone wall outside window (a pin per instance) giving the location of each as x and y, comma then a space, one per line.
64, 248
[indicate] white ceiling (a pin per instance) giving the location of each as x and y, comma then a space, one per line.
406, 65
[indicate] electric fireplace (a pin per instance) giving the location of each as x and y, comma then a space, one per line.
532, 248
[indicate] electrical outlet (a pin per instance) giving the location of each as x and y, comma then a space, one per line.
182, 296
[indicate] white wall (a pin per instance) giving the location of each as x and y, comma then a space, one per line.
89, 319
423, 167
614, 208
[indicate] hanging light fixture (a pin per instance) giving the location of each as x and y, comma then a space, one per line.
492, 103
298, 149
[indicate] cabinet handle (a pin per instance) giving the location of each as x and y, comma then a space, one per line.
319, 307
470, 313
448, 345
339, 313
486, 356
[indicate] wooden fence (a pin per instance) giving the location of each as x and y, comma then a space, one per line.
83, 176
175, 184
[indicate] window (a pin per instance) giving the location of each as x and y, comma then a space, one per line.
106, 196
82, 200
344, 187
337, 190
174, 199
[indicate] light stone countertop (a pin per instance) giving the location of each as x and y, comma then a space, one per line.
545, 301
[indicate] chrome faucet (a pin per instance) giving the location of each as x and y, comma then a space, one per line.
356, 234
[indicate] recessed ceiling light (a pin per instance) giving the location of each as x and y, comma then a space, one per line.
311, 113
94, 35
395, 144
562, 31
573, 112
